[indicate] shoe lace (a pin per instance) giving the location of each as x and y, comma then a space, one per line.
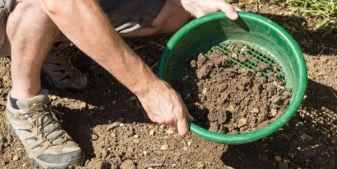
43, 116
65, 54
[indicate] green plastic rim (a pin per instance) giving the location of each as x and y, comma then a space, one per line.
252, 26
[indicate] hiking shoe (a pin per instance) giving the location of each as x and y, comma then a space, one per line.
36, 125
60, 72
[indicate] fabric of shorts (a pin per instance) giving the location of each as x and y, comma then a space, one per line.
130, 15
5, 8
125, 15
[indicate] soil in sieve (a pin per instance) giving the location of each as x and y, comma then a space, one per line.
229, 98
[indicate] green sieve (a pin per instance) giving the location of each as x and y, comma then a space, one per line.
263, 41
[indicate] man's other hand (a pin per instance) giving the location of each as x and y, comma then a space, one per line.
199, 8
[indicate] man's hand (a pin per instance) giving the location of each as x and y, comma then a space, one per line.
199, 8
165, 106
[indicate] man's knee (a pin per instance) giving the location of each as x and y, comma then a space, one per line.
53, 7
16, 16
174, 19
175, 22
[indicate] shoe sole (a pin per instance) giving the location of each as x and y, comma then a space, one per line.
72, 164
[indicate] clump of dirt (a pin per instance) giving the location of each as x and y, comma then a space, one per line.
228, 98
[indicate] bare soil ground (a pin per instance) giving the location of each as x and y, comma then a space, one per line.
109, 124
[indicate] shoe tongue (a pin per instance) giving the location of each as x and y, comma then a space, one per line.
42, 97
25, 104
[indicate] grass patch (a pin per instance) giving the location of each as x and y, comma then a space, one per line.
324, 11
321, 13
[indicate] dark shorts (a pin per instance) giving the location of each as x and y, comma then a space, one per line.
125, 15
5, 8
129, 15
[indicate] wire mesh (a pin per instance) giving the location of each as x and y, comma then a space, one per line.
248, 55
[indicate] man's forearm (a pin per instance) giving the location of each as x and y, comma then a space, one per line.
85, 24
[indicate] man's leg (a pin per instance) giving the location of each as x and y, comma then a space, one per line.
29, 113
170, 19
31, 33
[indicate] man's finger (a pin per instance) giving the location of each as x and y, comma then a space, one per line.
229, 11
182, 126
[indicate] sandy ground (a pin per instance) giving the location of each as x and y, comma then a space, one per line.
108, 123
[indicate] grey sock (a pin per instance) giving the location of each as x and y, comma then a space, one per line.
13, 102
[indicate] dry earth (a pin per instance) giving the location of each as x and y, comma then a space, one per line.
108, 123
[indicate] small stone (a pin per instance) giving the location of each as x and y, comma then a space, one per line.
174, 165
152, 131
114, 102
231, 108
185, 148
136, 136
144, 153
164, 147
15, 158
242, 122
169, 131
53, 97
200, 165
113, 134
278, 158
90, 107
121, 125
204, 91
149, 168
273, 112
113, 125
189, 143
94, 136
255, 110
128, 164
130, 132
162, 126
113, 166
136, 141
83, 105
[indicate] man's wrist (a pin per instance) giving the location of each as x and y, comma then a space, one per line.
144, 84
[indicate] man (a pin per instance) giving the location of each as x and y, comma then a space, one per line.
33, 26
